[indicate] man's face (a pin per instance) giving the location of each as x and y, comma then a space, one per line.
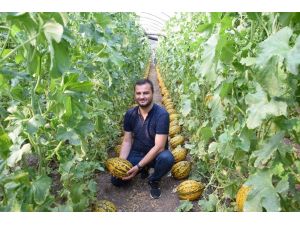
143, 95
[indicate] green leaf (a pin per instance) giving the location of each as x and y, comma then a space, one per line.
68, 107
208, 58
185, 206
210, 204
87, 30
92, 186
84, 127
262, 193
244, 139
41, 187
206, 133
225, 137
225, 89
19, 58
82, 86
283, 185
60, 59
226, 49
35, 123
186, 106
217, 112
272, 78
64, 134
103, 19
278, 169
64, 168
293, 58
275, 45
253, 16
5, 143
260, 108
263, 155
16, 155
204, 27
76, 192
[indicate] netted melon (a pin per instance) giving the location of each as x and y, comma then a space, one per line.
177, 140
181, 170
118, 167
174, 130
189, 190
179, 154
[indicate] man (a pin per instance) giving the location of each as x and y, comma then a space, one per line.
145, 142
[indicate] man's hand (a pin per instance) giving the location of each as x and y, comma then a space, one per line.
131, 173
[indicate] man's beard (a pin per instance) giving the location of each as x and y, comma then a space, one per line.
146, 105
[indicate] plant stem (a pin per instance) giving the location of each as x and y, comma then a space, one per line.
19, 46
5, 43
262, 24
55, 150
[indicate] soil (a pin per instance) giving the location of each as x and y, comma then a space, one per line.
135, 197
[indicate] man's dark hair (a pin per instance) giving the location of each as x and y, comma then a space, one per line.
144, 81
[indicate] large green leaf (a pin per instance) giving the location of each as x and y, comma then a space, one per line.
60, 59
35, 123
275, 45
272, 78
185, 206
217, 111
226, 49
64, 134
262, 194
264, 154
186, 106
244, 139
278, 45
103, 19
207, 68
84, 127
293, 58
82, 86
210, 204
41, 187
259, 108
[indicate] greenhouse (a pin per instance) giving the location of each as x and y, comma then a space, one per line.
150, 112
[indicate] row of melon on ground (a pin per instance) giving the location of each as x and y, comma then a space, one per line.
192, 189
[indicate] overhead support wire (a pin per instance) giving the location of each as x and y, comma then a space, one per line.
155, 16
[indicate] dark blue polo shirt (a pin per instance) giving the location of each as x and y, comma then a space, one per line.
156, 122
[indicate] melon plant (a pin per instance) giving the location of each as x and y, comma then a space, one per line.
237, 97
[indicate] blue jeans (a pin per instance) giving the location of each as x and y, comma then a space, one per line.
162, 164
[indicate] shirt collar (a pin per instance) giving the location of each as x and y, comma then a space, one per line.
150, 112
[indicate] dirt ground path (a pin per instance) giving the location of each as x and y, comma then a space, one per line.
136, 196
